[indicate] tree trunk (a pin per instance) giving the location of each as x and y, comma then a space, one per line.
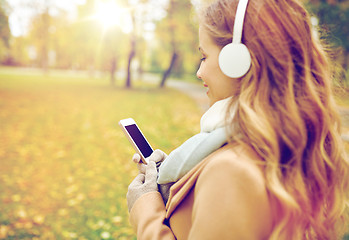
45, 40
169, 69
132, 53
112, 71
172, 30
130, 57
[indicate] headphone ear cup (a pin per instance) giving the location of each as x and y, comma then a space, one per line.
234, 60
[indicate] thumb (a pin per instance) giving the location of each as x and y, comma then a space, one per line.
139, 180
157, 156
136, 158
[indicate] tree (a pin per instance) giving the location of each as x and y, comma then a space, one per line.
178, 35
333, 16
140, 14
18, 54
4, 33
112, 51
87, 38
63, 41
41, 37
45, 34
132, 51
172, 29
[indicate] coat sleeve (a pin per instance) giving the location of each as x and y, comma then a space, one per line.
231, 202
147, 217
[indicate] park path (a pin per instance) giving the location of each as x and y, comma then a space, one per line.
193, 90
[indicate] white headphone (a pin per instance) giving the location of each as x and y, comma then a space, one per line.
235, 59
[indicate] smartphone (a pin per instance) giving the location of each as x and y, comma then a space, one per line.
136, 138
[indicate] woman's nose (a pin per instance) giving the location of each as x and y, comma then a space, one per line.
198, 73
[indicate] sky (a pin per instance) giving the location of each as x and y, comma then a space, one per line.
19, 18
20, 15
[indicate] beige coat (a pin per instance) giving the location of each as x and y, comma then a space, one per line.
223, 197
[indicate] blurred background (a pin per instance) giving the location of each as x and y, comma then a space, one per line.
157, 36
70, 70
100, 36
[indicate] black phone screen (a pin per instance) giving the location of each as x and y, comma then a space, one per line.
139, 139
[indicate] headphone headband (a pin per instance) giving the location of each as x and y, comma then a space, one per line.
235, 59
239, 20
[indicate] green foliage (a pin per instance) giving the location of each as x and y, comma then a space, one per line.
65, 163
4, 33
55, 39
111, 48
178, 31
334, 18
41, 38
18, 53
4, 27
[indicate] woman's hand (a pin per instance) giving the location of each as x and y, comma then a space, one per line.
143, 183
146, 180
157, 156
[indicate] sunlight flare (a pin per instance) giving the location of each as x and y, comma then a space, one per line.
110, 14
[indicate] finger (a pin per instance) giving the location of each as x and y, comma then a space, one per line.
141, 168
150, 172
157, 156
136, 158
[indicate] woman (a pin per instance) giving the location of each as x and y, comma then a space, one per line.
278, 168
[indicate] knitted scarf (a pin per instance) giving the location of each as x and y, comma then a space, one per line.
181, 160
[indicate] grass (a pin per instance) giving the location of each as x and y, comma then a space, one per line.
65, 164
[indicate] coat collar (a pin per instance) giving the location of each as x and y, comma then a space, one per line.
183, 186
